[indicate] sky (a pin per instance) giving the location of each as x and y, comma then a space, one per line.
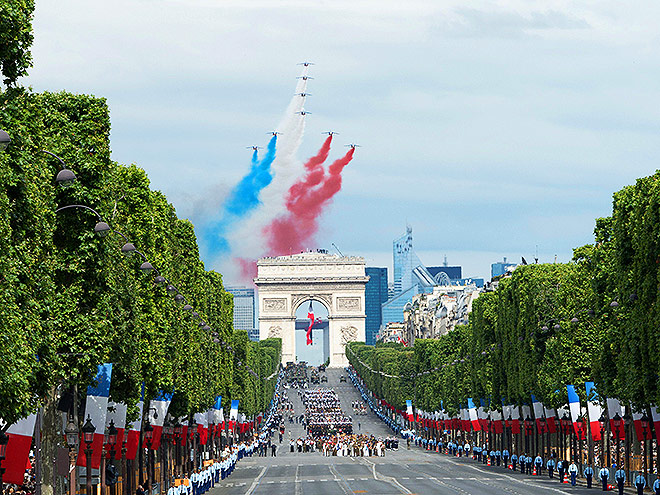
492, 128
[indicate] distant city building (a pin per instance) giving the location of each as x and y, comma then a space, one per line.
392, 332
376, 293
430, 316
452, 272
500, 268
244, 310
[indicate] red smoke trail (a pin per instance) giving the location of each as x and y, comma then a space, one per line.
288, 234
314, 175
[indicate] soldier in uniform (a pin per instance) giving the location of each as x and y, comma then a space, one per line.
514, 460
523, 464
560, 470
589, 474
604, 475
551, 467
530, 463
505, 458
498, 457
640, 483
620, 479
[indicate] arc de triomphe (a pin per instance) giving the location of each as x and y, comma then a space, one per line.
337, 282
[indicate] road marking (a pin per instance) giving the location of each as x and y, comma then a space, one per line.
298, 486
256, 482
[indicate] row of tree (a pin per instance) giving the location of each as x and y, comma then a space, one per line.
547, 325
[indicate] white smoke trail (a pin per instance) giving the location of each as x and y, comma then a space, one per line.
247, 241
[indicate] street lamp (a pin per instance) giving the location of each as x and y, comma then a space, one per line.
4, 140
602, 421
565, 427
528, 431
111, 441
65, 177
542, 425
88, 430
645, 426
617, 422
148, 436
4, 440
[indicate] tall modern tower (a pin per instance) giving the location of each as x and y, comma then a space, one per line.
244, 310
375, 296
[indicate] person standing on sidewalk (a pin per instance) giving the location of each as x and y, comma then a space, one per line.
604, 475
573, 471
640, 483
656, 486
589, 474
620, 478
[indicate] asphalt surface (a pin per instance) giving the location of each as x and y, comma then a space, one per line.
404, 471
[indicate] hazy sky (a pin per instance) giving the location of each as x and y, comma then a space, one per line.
490, 127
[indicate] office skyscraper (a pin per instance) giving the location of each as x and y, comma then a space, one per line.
375, 296
244, 310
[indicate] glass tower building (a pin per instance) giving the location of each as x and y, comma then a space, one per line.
244, 310
375, 296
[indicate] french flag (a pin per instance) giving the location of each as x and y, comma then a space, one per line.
614, 407
409, 410
515, 419
550, 420
96, 410
655, 415
472, 411
506, 412
156, 414
538, 411
526, 412
133, 431
595, 411
498, 425
18, 450
482, 415
574, 405
310, 315
233, 413
202, 427
117, 415
217, 411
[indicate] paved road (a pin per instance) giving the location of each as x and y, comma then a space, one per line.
404, 471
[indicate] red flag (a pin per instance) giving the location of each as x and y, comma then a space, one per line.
310, 315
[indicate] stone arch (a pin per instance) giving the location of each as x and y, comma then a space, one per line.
298, 300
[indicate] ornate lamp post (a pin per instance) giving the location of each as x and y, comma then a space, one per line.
617, 421
529, 425
602, 422
565, 427
148, 437
72, 438
4, 440
88, 430
111, 441
645, 427
509, 422
542, 427
178, 431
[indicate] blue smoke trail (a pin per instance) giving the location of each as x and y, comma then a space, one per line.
243, 198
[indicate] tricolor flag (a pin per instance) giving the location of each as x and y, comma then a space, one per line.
233, 413
133, 430
310, 315
574, 405
184, 431
498, 425
550, 419
156, 414
409, 410
117, 415
202, 427
613, 408
655, 415
595, 411
18, 450
539, 412
515, 419
472, 411
217, 411
482, 415
96, 409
